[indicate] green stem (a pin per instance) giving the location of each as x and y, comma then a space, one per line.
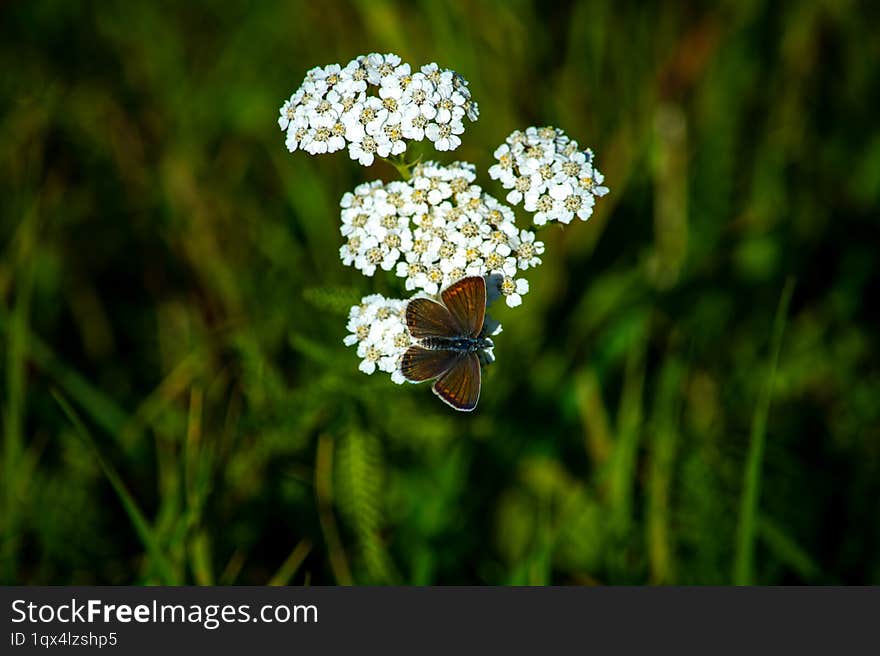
403, 167
743, 569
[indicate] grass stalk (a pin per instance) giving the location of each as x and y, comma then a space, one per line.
744, 566
142, 527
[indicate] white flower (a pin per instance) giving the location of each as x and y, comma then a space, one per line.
287, 112
364, 150
329, 75
528, 250
368, 255
513, 290
442, 80
399, 77
593, 184
391, 141
524, 185
295, 135
337, 138
445, 135
450, 106
545, 207
410, 271
503, 170
380, 66
414, 124
353, 78
370, 355
391, 94
420, 96
549, 174
322, 114
315, 140
372, 115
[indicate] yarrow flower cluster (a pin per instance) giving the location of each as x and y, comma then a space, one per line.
548, 173
434, 229
375, 104
378, 327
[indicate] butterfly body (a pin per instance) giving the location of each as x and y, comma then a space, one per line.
462, 344
450, 343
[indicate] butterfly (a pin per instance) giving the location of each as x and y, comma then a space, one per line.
451, 342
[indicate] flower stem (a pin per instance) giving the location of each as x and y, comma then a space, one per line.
403, 167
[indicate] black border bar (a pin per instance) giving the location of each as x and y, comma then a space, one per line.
458, 620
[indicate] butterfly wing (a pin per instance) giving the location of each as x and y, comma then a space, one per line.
419, 364
428, 318
460, 315
466, 300
460, 385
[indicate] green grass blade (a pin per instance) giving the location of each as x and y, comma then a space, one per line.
743, 567
788, 551
14, 417
623, 463
324, 498
104, 411
291, 564
663, 445
138, 520
200, 559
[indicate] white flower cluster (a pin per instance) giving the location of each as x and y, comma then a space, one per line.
332, 109
549, 174
434, 229
378, 327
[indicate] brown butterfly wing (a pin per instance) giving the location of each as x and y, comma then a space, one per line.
460, 386
419, 364
466, 300
428, 318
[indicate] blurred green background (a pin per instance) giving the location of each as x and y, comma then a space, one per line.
689, 394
